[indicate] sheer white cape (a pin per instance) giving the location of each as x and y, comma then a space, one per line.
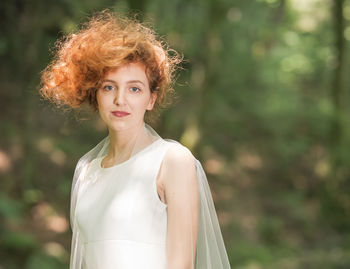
210, 252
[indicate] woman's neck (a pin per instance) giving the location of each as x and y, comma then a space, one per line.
126, 143
122, 140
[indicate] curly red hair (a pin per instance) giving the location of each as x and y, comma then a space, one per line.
106, 41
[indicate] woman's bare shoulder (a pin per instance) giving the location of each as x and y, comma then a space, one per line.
178, 155
178, 165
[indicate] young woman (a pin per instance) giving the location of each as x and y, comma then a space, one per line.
137, 200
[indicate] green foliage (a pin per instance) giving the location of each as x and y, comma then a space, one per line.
10, 209
43, 261
21, 242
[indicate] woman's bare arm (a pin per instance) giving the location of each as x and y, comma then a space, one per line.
179, 178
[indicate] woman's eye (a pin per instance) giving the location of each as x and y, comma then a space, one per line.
134, 89
108, 87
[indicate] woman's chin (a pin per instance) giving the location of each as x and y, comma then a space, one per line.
121, 126
118, 126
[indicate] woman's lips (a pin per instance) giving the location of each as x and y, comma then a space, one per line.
120, 113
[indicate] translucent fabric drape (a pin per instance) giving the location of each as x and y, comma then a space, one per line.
192, 215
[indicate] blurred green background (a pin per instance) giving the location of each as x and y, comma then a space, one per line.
263, 104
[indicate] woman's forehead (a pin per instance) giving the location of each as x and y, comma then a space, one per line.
129, 71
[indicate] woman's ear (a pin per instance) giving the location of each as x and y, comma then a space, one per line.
152, 101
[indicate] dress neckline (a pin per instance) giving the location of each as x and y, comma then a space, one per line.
99, 162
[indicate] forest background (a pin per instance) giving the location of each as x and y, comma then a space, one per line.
263, 104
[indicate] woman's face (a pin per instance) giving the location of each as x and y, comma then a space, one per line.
124, 97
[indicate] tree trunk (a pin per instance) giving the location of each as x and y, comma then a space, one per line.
337, 91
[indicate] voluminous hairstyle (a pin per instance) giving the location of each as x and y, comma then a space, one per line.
106, 41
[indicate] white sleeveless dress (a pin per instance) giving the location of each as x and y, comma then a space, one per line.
120, 216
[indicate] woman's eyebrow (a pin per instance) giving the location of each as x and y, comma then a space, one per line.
136, 81
109, 80
129, 81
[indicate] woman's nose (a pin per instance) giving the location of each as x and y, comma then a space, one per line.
119, 98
